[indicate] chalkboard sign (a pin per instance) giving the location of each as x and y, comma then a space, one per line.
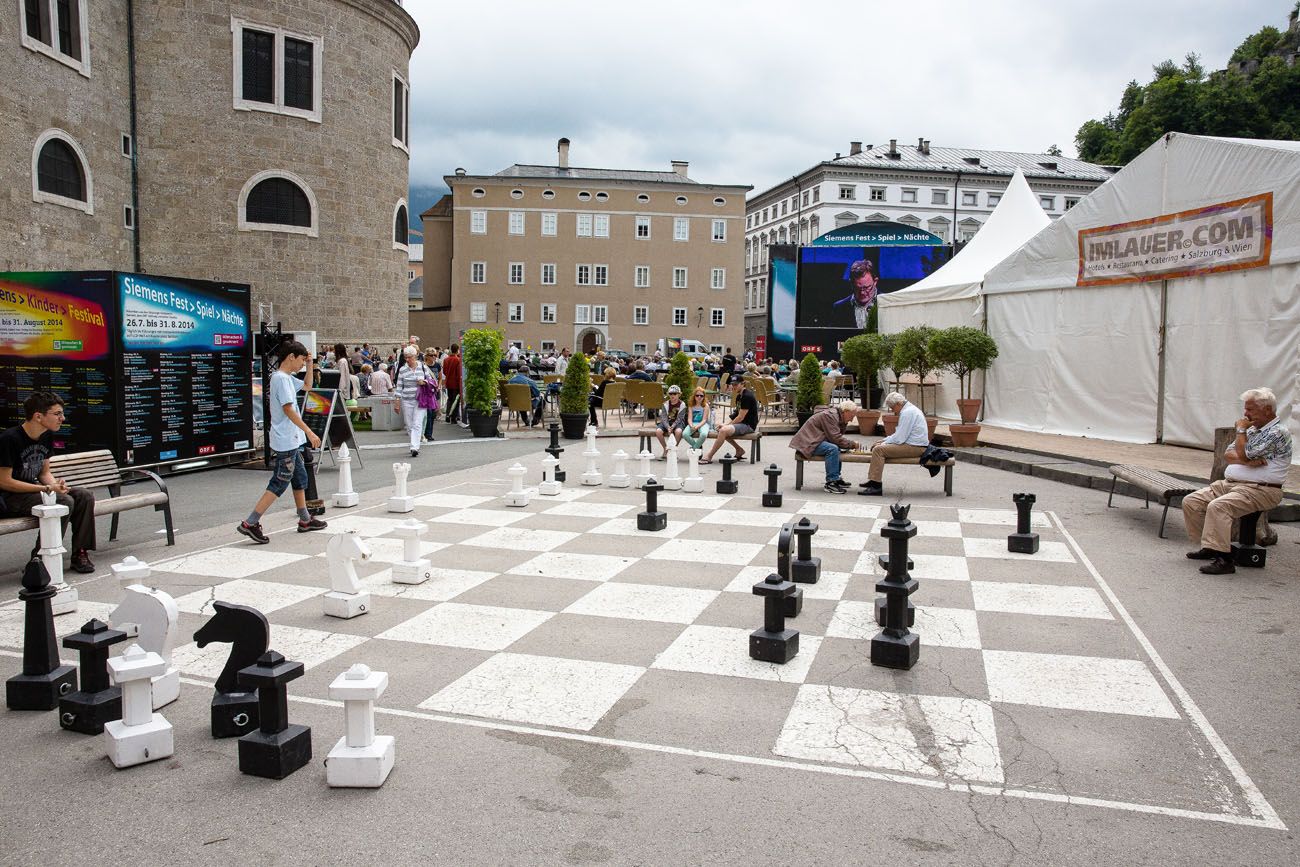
325, 415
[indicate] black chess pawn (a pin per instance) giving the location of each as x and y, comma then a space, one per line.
97, 702
726, 484
277, 748
772, 497
43, 680
805, 569
234, 710
894, 646
774, 643
554, 449
652, 518
1245, 551
1022, 541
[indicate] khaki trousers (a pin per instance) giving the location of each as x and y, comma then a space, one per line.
1210, 513
880, 451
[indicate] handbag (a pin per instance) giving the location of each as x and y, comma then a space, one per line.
427, 397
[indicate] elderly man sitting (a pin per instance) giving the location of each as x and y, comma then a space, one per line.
908, 440
823, 434
1257, 465
523, 376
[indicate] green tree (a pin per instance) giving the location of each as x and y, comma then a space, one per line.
1053, 151
681, 375
481, 357
809, 391
577, 386
912, 354
963, 350
863, 353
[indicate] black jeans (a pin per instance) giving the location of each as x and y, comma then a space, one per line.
81, 506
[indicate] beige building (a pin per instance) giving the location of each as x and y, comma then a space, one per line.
264, 143
560, 256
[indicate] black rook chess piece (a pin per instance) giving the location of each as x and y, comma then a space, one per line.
43, 680
277, 748
774, 643
806, 569
1022, 541
894, 646
96, 703
234, 710
554, 448
793, 604
1245, 552
652, 518
726, 484
772, 497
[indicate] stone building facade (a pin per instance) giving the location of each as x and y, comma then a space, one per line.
267, 143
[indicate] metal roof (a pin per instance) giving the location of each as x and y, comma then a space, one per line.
971, 161
519, 170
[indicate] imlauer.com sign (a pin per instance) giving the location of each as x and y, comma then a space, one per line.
1224, 237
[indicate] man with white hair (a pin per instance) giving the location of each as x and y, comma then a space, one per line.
1258, 460
823, 434
908, 440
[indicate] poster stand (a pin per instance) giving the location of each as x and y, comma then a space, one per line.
328, 417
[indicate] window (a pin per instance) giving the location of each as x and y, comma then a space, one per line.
478, 311
765, 215
679, 316
478, 222
641, 277
584, 196
785, 208
583, 275
600, 315
516, 194
640, 315
401, 113
548, 314
517, 273
279, 71
719, 201
969, 199
1070, 202
909, 196
715, 348
581, 314
681, 200
59, 29
805, 198
939, 226
514, 312
681, 228
401, 237
548, 346
718, 317
817, 194
549, 221
639, 349
128, 217
718, 279
516, 222
994, 198
478, 272
548, 194
601, 274
847, 192
877, 194
478, 192
584, 225
60, 173
642, 198
1048, 202
548, 274
277, 202
967, 229
848, 218
127, 147
602, 197
643, 228
410, 275
910, 220
679, 278
601, 225
938, 197
719, 230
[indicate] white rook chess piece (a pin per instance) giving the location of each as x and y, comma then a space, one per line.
549, 486
51, 513
592, 476
151, 618
140, 735
694, 482
644, 475
619, 478
399, 501
517, 496
413, 569
672, 478
345, 599
345, 496
360, 759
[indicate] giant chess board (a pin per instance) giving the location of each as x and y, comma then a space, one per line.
561, 618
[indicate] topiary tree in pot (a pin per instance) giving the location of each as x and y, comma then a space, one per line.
964, 350
681, 375
481, 363
575, 395
808, 393
862, 353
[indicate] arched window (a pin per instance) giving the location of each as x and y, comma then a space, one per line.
60, 172
401, 230
278, 202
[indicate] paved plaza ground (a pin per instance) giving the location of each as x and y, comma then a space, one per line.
567, 689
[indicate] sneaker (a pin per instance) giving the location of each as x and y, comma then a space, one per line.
313, 524
81, 562
840, 483
1201, 554
832, 488
1219, 566
463, 424
415, 453
253, 531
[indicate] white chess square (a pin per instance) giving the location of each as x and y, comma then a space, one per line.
588, 510
231, 561
441, 500
1045, 599
839, 510
936, 529
477, 627
1000, 517
627, 527
390, 549
831, 585
1075, 683
366, 526
1049, 552
941, 627
520, 539
11, 621
481, 518
874, 729
644, 602
705, 551
725, 650
443, 584
542, 690
747, 518
265, 596
311, 647
938, 567
836, 540
675, 500
579, 567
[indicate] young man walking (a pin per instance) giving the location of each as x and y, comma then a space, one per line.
288, 433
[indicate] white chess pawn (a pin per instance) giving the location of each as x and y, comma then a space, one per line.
360, 759
694, 482
592, 475
345, 496
672, 479
517, 496
413, 569
549, 486
50, 513
345, 599
140, 735
643, 475
619, 478
400, 501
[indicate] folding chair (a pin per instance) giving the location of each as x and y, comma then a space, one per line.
519, 399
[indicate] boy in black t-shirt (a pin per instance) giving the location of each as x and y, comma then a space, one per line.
25, 475
744, 419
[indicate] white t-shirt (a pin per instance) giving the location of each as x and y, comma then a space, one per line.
561, 364
285, 435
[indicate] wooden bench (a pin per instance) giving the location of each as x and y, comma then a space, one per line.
99, 469
646, 434
864, 458
1153, 483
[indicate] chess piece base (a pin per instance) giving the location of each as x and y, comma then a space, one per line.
412, 571
1022, 543
883, 560
40, 691
135, 745
792, 605
166, 688
693, 484
360, 767
401, 504
806, 571
316, 507
65, 601
234, 714
1252, 556
652, 521
344, 501
882, 605
549, 489
275, 756
623, 481
592, 478
345, 606
672, 484
560, 475
889, 651
772, 501
517, 499
778, 647
726, 486
87, 712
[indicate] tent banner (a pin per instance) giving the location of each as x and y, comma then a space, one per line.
1228, 236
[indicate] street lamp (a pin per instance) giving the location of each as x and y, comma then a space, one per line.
497, 305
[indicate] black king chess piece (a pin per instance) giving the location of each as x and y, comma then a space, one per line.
772, 497
554, 448
894, 646
726, 484
1022, 541
97, 702
774, 643
43, 680
277, 748
235, 709
652, 518
1245, 551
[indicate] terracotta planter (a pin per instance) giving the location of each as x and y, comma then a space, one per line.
867, 421
964, 435
890, 422
930, 424
969, 409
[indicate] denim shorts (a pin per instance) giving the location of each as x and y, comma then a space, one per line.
287, 468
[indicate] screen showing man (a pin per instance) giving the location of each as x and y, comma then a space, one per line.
862, 276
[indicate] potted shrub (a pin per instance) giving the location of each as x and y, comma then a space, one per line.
964, 350
681, 375
862, 354
575, 396
912, 355
481, 363
808, 393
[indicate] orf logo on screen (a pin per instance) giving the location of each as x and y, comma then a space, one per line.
206, 450
810, 347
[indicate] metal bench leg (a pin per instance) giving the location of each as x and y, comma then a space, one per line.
166, 509
1109, 499
947, 481
112, 528
798, 475
1163, 515
1148, 501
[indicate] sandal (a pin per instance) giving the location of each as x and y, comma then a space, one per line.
704, 461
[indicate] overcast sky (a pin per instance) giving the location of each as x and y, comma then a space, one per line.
753, 91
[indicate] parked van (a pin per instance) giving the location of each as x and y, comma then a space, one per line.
693, 348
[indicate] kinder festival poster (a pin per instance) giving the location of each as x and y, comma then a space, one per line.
38, 320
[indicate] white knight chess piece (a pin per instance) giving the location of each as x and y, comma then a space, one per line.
345, 599
151, 617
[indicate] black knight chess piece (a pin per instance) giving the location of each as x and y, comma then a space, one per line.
793, 603
43, 680
97, 702
277, 748
234, 709
895, 646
